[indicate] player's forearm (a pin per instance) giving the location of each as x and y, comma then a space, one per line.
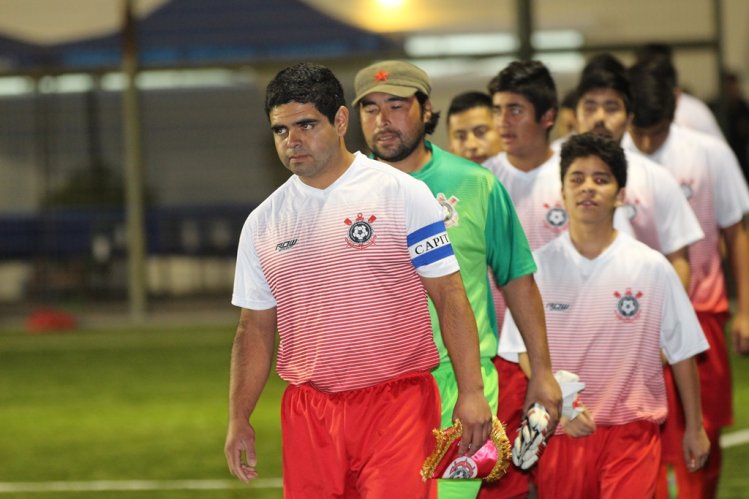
251, 358
524, 301
737, 245
459, 331
688, 384
680, 262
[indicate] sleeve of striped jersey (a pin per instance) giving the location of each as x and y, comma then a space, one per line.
729, 186
508, 251
428, 244
677, 224
510, 341
681, 333
251, 289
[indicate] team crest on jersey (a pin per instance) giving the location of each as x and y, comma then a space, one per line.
556, 216
462, 467
628, 305
630, 209
360, 231
686, 188
449, 210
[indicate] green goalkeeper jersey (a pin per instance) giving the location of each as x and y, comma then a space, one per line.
485, 233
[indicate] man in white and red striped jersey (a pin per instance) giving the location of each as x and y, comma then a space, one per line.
612, 304
340, 260
711, 179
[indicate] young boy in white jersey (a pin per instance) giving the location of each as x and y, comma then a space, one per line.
524, 100
711, 179
611, 304
659, 215
340, 260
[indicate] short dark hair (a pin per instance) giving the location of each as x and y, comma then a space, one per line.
430, 125
661, 55
606, 72
305, 83
532, 80
653, 98
588, 144
468, 100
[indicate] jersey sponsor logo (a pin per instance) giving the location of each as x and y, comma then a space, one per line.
360, 232
628, 305
429, 244
286, 245
449, 209
557, 307
686, 188
556, 216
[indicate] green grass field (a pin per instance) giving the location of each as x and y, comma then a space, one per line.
150, 405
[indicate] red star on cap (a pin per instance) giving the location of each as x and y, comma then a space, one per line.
381, 76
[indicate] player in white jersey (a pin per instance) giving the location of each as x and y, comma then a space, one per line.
690, 111
524, 99
659, 215
710, 178
612, 304
340, 260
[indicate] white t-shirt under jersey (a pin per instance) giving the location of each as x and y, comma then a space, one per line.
608, 319
342, 266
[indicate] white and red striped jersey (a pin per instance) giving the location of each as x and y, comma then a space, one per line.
342, 266
537, 195
608, 319
660, 216
709, 176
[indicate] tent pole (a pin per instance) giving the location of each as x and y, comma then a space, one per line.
134, 190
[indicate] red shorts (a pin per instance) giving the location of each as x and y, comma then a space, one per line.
614, 462
512, 388
717, 412
359, 443
715, 390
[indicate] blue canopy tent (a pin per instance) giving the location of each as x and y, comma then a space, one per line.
188, 34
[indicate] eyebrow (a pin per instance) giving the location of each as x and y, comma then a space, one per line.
302, 122
392, 98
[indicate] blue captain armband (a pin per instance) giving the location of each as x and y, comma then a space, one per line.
429, 244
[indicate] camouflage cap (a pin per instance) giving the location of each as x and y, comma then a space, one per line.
393, 77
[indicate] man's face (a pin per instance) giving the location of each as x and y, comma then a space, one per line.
649, 139
590, 191
602, 111
305, 140
393, 127
515, 119
472, 134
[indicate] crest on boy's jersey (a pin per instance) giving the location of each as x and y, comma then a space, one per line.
628, 304
686, 188
630, 209
360, 232
449, 210
556, 216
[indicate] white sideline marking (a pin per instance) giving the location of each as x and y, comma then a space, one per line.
728, 440
120, 485
734, 438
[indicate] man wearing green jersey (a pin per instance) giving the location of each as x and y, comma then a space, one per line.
396, 115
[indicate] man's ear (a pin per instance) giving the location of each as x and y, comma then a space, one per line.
427, 110
621, 196
548, 118
340, 122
